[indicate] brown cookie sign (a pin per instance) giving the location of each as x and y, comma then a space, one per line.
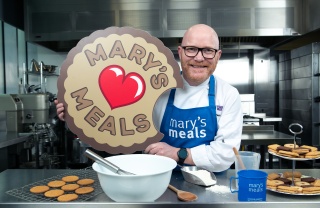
109, 84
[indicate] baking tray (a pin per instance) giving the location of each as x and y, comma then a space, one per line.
25, 194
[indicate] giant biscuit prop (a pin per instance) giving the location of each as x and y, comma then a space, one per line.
109, 84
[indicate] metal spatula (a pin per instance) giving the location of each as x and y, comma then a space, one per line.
105, 163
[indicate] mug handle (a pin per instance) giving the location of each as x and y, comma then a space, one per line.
232, 178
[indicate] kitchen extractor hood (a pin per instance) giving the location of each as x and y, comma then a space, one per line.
247, 24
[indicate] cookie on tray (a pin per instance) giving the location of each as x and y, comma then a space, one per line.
273, 147
71, 178
290, 189
273, 176
84, 190
39, 189
289, 174
311, 148
85, 181
54, 193
291, 145
288, 154
56, 183
67, 197
314, 154
70, 187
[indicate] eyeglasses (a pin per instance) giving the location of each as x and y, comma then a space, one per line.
192, 51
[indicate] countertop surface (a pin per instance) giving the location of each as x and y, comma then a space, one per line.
12, 180
11, 138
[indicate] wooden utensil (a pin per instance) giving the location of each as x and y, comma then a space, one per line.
238, 158
183, 195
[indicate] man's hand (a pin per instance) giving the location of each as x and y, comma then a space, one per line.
162, 148
60, 110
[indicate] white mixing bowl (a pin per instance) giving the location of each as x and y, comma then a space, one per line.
153, 174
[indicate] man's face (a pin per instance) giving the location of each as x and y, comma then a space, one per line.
197, 69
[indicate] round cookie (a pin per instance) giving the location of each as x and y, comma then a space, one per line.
71, 178
67, 197
56, 184
84, 190
54, 193
301, 183
85, 181
70, 187
39, 189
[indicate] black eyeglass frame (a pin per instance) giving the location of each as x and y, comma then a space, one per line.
199, 49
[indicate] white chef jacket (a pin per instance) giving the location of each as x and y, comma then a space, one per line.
218, 156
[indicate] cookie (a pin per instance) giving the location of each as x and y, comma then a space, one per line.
273, 147
311, 190
70, 187
308, 179
274, 151
85, 181
300, 150
67, 197
274, 183
311, 148
56, 184
290, 189
273, 176
284, 180
54, 193
317, 183
294, 179
39, 189
291, 145
284, 148
301, 183
314, 154
288, 154
289, 174
84, 190
71, 178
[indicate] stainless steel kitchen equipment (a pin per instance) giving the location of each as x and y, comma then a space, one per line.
11, 113
35, 107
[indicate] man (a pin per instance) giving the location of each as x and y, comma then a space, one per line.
202, 122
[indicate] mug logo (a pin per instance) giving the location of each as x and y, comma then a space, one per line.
120, 89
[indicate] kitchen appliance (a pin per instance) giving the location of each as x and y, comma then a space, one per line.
19, 111
35, 108
11, 113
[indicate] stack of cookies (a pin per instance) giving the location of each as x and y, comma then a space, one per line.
294, 151
302, 185
67, 189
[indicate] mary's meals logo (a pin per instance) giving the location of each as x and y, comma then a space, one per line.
109, 84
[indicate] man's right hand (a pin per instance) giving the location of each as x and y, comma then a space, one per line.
60, 110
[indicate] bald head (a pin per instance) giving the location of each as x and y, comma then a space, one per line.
201, 31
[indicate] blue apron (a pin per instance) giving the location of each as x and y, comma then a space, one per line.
190, 127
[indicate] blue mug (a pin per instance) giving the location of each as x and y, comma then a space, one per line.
252, 185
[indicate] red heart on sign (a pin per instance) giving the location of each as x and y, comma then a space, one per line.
120, 89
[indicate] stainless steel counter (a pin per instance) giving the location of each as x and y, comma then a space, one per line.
15, 178
11, 138
265, 138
